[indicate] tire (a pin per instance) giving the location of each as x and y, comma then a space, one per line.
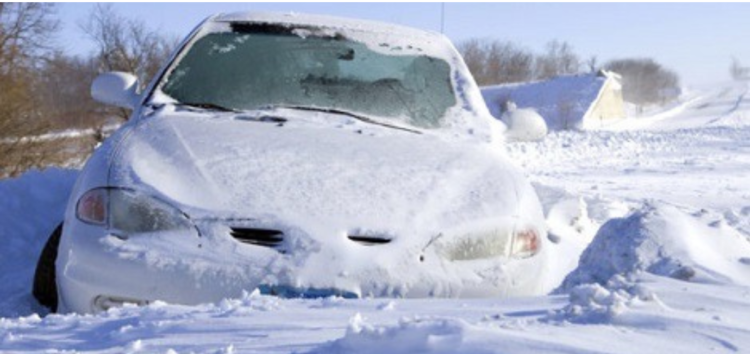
45, 284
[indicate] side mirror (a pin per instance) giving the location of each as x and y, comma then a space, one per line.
116, 88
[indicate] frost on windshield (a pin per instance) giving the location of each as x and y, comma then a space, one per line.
253, 67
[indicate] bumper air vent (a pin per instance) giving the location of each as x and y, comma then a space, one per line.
258, 237
370, 240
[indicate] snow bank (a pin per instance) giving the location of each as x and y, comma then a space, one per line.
31, 206
572, 222
662, 240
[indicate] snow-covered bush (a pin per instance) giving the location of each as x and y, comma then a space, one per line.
524, 125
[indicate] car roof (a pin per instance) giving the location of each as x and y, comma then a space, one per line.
325, 21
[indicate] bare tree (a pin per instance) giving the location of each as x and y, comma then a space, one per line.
475, 58
63, 90
592, 64
510, 62
126, 44
559, 59
26, 31
497, 62
644, 81
738, 72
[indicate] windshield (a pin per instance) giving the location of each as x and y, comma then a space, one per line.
260, 66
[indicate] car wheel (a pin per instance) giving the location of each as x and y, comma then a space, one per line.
45, 286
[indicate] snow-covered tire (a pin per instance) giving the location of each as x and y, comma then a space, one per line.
45, 285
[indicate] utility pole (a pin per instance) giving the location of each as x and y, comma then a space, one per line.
442, 18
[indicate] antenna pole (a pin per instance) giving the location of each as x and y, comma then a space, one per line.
442, 18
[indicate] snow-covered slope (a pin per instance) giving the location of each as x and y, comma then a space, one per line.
725, 105
562, 101
651, 224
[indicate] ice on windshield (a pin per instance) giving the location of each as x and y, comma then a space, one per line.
256, 66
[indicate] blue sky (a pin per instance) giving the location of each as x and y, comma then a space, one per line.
696, 40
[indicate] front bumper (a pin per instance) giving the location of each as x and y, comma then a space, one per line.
97, 270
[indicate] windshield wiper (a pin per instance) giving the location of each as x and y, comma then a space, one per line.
208, 105
340, 111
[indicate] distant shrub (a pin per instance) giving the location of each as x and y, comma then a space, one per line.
645, 82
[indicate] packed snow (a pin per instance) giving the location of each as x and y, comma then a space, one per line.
650, 221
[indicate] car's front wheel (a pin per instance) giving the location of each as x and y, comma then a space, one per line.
45, 285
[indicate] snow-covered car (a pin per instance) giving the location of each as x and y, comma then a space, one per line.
303, 156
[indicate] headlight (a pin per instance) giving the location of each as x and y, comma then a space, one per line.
129, 212
478, 245
491, 243
526, 243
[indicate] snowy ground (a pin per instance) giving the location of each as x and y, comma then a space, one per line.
660, 204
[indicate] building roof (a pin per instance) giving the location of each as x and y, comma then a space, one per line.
563, 101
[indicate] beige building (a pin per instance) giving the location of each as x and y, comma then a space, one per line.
609, 103
582, 101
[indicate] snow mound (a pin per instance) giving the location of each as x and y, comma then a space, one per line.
594, 303
524, 125
31, 206
665, 241
408, 336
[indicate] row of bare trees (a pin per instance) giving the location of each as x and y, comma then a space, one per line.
24, 32
495, 62
43, 89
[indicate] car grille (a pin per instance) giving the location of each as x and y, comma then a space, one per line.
258, 237
370, 240
275, 238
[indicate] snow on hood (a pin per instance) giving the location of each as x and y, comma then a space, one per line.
323, 178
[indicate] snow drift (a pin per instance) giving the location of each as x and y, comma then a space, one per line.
663, 240
409, 336
31, 206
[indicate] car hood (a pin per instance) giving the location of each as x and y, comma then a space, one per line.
323, 178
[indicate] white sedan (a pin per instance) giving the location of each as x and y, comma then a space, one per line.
303, 156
